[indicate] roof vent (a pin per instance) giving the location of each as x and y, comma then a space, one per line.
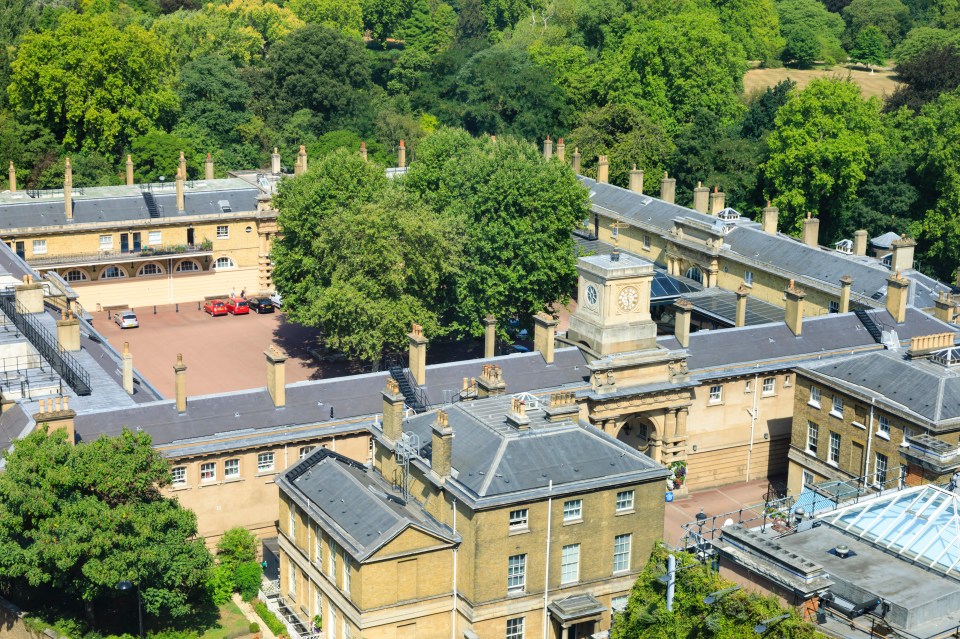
224, 205
729, 214
842, 551
845, 246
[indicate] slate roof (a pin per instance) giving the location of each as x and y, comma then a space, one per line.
355, 504
884, 241
494, 462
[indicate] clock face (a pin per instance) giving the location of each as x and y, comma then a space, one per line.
628, 298
591, 295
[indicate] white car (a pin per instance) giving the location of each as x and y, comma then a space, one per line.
126, 319
277, 300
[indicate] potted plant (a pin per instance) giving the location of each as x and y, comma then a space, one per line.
679, 469
317, 623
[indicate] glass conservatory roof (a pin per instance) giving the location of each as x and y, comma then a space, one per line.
921, 524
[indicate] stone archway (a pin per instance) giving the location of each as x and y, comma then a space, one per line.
643, 433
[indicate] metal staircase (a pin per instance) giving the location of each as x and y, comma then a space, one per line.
413, 395
151, 204
868, 322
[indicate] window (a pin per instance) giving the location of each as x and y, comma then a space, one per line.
187, 266
516, 573
305, 450
75, 275
106, 242
808, 478
224, 262
518, 519
154, 238
264, 462
570, 564
769, 385
179, 475
837, 410
317, 601
333, 561
231, 468
617, 606
291, 580
834, 447
748, 387
748, 278
883, 429
814, 397
223, 232
39, 247
150, 269
346, 572
318, 549
907, 434
515, 628
208, 471
621, 552
346, 629
646, 242
881, 470
834, 307
293, 521
112, 273
624, 500
694, 274
786, 380
572, 510
333, 622
813, 433
716, 394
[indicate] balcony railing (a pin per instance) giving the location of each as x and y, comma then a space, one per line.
296, 627
109, 257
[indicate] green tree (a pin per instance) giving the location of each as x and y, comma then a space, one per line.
804, 22
762, 111
827, 139
344, 16
214, 97
157, 154
890, 17
754, 25
919, 39
868, 47
501, 14
925, 76
382, 17
77, 520
430, 27
236, 546
95, 86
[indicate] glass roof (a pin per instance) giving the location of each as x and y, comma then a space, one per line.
669, 286
921, 524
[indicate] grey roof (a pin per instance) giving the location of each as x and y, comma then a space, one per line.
16, 423
354, 504
884, 241
664, 287
721, 304
494, 462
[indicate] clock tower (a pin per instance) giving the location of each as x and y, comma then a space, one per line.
613, 309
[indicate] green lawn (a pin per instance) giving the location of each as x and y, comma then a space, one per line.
232, 623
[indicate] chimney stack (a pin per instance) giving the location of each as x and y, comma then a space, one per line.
547, 149
742, 294
68, 331
811, 231
701, 195
517, 417
402, 155
668, 189
68, 190
490, 383
29, 295
276, 376
418, 354
770, 215
902, 259
860, 242
442, 445
544, 333
127, 358
846, 282
563, 407
603, 170
717, 201
13, 178
302, 159
392, 411
897, 289
561, 150
55, 414
794, 314
681, 326
180, 384
181, 202
636, 179
275, 161
129, 170
208, 167
363, 151
489, 336
576, 160
944, 308
182, 166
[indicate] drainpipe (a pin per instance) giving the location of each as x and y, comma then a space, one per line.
546, 576
453, 613
753, 422
866, 462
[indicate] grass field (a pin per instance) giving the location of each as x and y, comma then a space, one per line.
232, 623
879, 83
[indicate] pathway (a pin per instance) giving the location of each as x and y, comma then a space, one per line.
248, 612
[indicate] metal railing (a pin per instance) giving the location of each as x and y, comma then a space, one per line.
298, 629
35, 193
119, 256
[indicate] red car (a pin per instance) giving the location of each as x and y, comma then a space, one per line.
215, 307
237, 306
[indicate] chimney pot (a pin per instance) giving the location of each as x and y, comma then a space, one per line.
576, 160
402, 155
603, 169
811, 231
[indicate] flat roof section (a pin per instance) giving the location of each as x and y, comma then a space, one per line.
721, 304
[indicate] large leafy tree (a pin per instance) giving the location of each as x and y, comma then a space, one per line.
827, 139
77, 520
812, 33
925, 76
94, 85
754, 25
890, 17
214, 97
341, 15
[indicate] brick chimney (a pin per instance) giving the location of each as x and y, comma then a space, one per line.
544, 333
490, 383
944, 308
418, 354
363, 151
129, 170
860, 242
561, 150
846, 282
13, 178
742, 294
547, 149
402, 155
180, 384
636, 179
563, 407
926, 344
489, 336
68, 331
517, 417
208, 167
718, 201
681, 326
770, 215
29, 295
392, 411
794, 314
811, 231
442, 445
902, 258
55, 414
897, 289
181, 201
127, 359
301, 161
701, 198
276, 376
603, 170
576, 160
68, 190
275, 161
668, 189
182, 166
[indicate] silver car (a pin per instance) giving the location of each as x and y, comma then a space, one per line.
126, 319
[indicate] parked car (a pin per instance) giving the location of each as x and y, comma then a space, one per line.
237, 306
260, 305
126, 319
215, 308
277, 300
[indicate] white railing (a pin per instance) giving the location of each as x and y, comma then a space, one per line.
270, 595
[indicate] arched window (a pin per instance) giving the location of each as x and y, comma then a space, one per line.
150, 269
112, 273
224, 262
694, 273
75, 275
187, 266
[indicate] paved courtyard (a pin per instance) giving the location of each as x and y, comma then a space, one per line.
715, 502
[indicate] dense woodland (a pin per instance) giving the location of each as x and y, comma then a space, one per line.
651, 83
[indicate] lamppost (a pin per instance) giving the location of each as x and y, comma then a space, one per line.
714, 597
126, 586
764, 625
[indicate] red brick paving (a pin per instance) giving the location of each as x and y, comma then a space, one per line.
715, 502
